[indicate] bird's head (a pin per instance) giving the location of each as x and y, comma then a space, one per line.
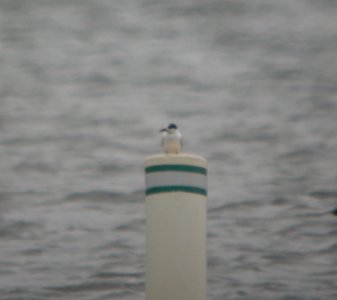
172, 128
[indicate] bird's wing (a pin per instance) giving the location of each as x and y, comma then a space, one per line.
163, 139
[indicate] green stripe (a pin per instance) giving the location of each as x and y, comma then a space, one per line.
176, 188
178, 168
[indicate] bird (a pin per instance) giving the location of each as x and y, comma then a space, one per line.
172, 139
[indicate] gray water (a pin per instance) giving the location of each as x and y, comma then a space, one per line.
84, 88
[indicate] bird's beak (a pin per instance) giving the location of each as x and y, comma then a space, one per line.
162, 130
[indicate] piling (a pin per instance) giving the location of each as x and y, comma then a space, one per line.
176, 194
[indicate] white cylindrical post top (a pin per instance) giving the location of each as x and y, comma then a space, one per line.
176, 193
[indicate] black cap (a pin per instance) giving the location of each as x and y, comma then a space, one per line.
172, 126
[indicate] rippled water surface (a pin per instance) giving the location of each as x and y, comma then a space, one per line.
84, 88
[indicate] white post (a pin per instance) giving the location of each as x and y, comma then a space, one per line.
176, 194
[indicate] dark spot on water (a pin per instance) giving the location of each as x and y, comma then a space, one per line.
209, 7
280, 201
95, 196
99, 286
135, 224
106, 196
323, 194
118, 275
32, 252
19, 230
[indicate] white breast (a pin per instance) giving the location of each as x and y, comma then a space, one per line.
172, 143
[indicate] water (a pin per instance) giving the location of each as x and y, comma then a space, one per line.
84, 88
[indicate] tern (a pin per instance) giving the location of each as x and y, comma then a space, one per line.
172, 139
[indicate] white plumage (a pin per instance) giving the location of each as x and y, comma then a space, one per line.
171, 139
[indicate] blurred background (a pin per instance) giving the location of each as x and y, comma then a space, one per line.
84, 88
